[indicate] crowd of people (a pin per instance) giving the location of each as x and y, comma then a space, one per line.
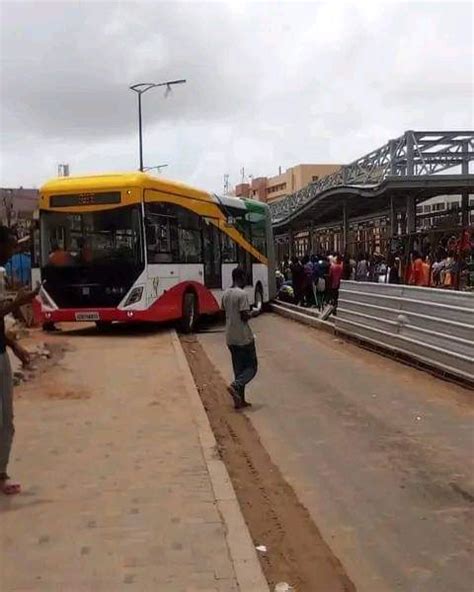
314, 280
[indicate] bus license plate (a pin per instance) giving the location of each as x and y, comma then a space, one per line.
87, 316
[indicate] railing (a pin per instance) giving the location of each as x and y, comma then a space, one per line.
435, 327
413, 154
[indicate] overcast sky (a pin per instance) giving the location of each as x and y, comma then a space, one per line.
268, 84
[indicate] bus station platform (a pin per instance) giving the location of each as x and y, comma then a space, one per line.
122, 485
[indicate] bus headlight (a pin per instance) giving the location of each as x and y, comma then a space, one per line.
135, 296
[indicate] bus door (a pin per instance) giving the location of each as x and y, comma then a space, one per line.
212, 255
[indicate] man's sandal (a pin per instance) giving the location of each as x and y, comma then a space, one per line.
9, 487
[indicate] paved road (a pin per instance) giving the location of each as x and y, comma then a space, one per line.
117, 494
380, 454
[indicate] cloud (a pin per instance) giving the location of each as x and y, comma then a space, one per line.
269, 84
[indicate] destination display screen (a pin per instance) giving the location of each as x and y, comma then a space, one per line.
85, 199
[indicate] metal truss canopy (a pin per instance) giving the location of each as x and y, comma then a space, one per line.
414, 154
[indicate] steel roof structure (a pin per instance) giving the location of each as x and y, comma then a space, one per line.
410, 163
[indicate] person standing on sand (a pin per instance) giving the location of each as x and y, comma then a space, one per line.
239, 337
7, 429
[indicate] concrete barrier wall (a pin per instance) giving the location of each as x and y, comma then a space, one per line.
433, 326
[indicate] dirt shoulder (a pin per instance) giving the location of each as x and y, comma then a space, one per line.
296, 552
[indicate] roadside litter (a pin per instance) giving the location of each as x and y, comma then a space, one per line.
284, 587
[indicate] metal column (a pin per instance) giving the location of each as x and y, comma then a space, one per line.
393, 156
345, 227
393, 218
411, 214
465, 192
410, 143
311, 238
409, 171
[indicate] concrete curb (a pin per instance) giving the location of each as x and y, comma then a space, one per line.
247, 567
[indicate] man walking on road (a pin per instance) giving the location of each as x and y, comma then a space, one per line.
239, 336
7, 247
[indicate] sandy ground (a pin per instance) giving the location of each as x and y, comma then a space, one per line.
380, 454
116, 491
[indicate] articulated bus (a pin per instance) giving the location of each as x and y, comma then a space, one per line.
131, 247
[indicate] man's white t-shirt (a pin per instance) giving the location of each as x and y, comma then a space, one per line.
234, 301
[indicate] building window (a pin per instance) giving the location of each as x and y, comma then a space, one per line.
274, 188
315, 178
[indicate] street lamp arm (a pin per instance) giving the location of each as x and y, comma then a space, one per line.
143, 87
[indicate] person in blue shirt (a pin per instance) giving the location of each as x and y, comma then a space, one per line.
320, 276
18, 269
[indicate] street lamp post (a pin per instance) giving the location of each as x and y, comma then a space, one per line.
140, 88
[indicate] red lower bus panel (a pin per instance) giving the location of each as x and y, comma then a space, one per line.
166, 308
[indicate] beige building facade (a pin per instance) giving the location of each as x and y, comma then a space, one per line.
271, 189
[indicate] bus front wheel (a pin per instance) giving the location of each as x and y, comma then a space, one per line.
190, 313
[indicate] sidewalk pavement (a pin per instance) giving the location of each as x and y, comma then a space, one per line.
122, 487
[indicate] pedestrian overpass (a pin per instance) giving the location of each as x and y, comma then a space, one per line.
394, 178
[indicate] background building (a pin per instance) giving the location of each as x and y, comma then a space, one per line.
17, 205
271, 189
442, 210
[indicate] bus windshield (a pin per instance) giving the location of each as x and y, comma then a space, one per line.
92, 238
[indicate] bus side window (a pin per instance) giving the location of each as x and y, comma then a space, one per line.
150, 230
244, 260
190, 236
258, 231
161, 233
229, 249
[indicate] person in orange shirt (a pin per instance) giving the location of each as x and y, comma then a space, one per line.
426, 271
417, 270
335, 276
59, 257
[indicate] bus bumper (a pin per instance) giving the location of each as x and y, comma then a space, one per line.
169, 307
107, 315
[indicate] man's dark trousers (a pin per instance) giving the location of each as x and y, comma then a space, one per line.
244, 362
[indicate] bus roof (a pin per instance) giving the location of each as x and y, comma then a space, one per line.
143, 180
119, 180
244, 204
